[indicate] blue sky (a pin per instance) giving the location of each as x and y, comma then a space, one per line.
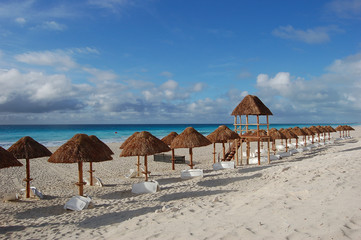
159, 61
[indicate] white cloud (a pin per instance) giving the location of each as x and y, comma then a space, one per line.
198, 87
101, 75
115, 6
312, 36
58, 59
166, 74
345, 8
51, 25
169, 85
20, 20
331, 97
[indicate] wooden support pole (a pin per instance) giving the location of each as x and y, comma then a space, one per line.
258, 142
91, 173
173, 159
138, 166
236, 144
224, 151
27, 179
191, 158
81, 181
146, 167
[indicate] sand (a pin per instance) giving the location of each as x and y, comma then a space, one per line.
311, 195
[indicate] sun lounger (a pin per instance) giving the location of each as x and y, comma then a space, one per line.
145, 187
254, 160
191, 173
77, 203
223, 165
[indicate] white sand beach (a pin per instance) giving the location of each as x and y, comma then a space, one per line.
310, 195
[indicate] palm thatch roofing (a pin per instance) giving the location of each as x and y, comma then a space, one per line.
8, 160
298, 131
251, 136
321, 128
143, 144
349, 128
289, 134
27, 147
101, 144
80, 148
251, 105
275, 134
308, 131
190, 138
314, 129
331, 129
129, 139
339, 128
222, 134
169, 138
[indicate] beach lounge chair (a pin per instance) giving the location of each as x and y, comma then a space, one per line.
77, 203
145, 187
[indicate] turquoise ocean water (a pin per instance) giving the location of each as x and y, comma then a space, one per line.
56, 135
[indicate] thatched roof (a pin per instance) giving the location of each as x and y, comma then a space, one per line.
222, 134
144, 143
130, 138
321, 128
190, 138
8, 160
251, 105
275, 134
251, 136
28, 147
349, 128
339, 128
308, 131
289, 134
331, 129
107, 150
314, 129
169, 138
298, 131
80, 148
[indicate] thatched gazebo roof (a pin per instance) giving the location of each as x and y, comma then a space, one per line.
8, 160
143, 144
80, 148
251, 136
251, 105
101, 144
129, 139
190, 138
222, 134
339, 128
27, 147
169, 138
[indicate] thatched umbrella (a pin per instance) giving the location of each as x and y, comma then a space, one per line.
168, 140
27, 148
144, 144
190, 138
221, 135
315, 130
289, 135
7, 159
348, 128
340, 129
309, 133
275, 134
322, 130
129, 139
330, 130
102, 145
80, 148
299, 132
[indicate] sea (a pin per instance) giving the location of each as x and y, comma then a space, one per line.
56, 135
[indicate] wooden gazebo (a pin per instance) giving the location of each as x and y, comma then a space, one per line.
251, 105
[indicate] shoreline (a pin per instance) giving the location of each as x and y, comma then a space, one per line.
308, 195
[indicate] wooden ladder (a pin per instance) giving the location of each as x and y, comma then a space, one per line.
232, 151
